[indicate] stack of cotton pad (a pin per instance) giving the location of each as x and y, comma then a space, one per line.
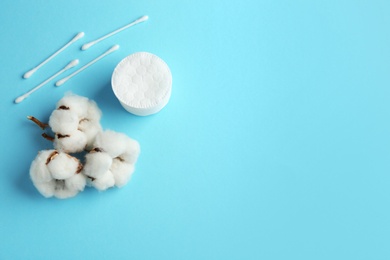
142, 82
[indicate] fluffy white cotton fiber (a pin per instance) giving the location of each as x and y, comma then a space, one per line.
97, 164
76, 182
50, 164
63, 166
75, 104
90, 130
77, 119
104, 182
118, 145
38, 169
64, 122
76, 126
123, 152
121, 171
70, 143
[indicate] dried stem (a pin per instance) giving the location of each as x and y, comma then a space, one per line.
48, 137
39, 123
120, 159
59, 136
91, 178
51, 157
79, 168
96, 150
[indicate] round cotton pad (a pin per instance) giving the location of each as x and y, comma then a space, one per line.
142, 82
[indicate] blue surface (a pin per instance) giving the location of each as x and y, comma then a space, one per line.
275, 143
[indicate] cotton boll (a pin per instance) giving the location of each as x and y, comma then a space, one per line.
104, 182
69, 187
81, 106
132, 151
111, 142
50, 164
85, 116
93, 112
46, 189
63, 166
41, 176
118, 145
123, 150
97, 164
71, 143
121, 171
91, 124
76, 182
75, 104
38, 168
62, 192
63, 121
90, 129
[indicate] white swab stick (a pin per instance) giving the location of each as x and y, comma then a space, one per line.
62, 81
142, 19
70, 65
32, 71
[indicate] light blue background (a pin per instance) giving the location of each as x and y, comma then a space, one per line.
275, 143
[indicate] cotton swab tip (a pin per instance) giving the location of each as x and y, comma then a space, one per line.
87, 45
72, 64
29, 73
78, 36
61, 81
114, 48
143, 18
20, 99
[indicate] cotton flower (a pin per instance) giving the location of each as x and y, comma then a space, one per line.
97, 167
76, 126
75, 122
57, 174
70, 143
63, 121
74, 103
105, 181
114, 154
121, 171
118, 146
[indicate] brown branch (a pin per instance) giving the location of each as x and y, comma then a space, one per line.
48, 137
39, 123
62, 136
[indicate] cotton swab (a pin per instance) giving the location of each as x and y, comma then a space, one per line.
62, 81
142, 19
32, 71
70, 65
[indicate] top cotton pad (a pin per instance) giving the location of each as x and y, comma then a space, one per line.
142, 82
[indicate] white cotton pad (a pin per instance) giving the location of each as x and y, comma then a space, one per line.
142, 82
